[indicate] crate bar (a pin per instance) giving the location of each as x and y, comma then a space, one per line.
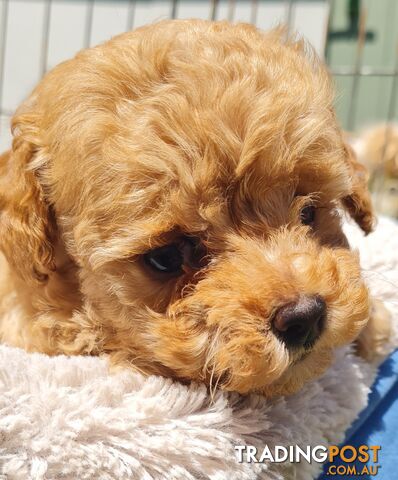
328, 27
352, 110
363, 72
394, 91
130, 15
45, 38
231, 10
213, 9
3, 43
289, 16
174, 8
89, 23
254, 12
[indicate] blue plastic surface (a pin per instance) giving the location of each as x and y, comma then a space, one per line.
378, 423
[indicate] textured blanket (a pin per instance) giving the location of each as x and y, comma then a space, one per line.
68, 418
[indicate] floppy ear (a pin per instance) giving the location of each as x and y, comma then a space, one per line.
27, 229
359, 203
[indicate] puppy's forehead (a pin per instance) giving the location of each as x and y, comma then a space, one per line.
228, 105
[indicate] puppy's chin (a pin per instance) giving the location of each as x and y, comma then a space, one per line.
282, 374
310, 366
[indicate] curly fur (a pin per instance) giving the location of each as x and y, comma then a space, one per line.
182, 127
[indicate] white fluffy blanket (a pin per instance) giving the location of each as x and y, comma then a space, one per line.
67, 418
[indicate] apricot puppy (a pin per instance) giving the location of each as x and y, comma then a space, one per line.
377, 149
172, 199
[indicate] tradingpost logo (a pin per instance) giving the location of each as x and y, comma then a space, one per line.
344, 460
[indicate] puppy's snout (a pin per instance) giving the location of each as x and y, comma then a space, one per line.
300, 323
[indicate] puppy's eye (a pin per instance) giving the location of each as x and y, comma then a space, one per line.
167, 259
186, 254
307, 215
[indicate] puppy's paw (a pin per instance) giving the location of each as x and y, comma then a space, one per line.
372, 343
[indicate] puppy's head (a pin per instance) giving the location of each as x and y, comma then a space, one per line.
194, 173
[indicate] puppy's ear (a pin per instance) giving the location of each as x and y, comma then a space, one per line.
27, 229
359, 203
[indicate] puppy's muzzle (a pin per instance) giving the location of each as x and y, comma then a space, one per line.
299, 323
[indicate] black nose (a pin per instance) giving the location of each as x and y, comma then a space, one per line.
300, 323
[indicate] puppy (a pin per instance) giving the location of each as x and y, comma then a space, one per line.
173, 199
377, 149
